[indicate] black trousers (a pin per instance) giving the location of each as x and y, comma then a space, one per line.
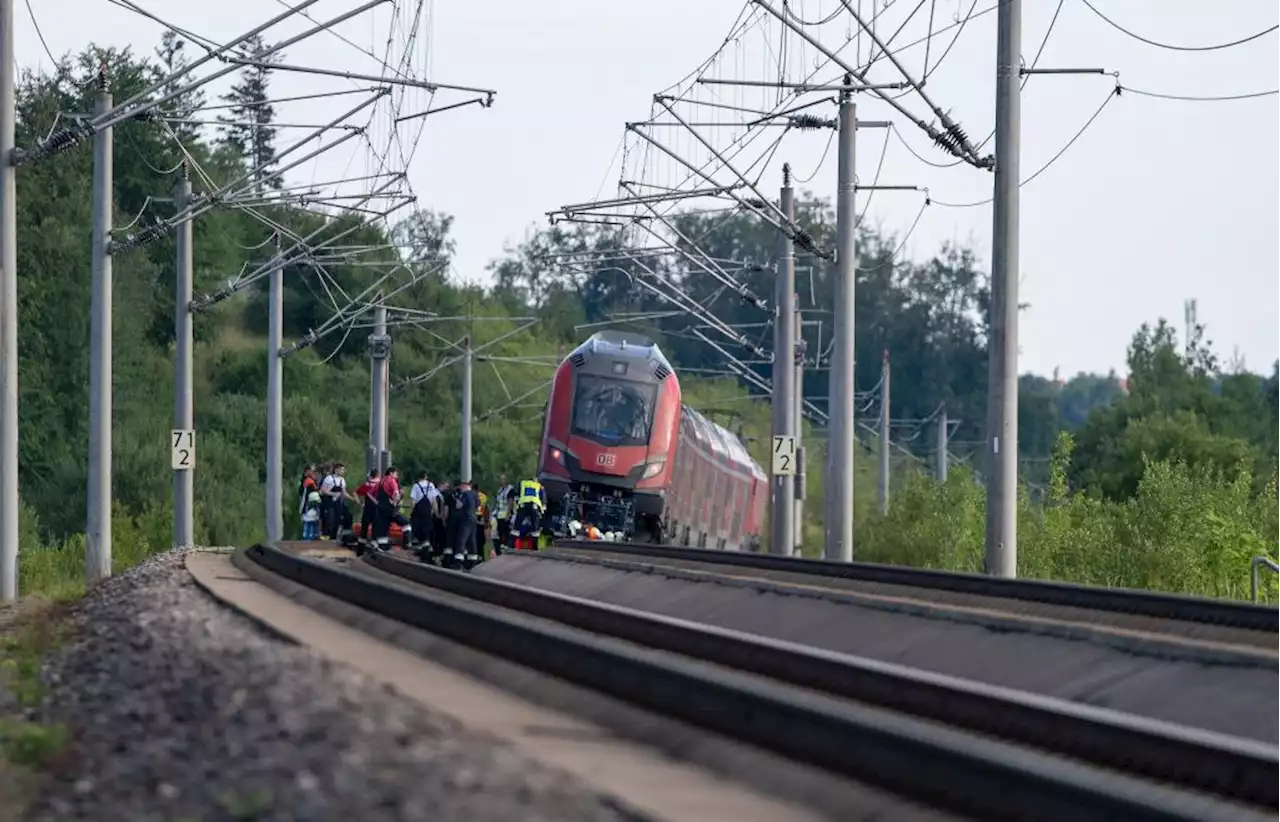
386, 515
437, 535
368, 518
528, 519
420, 521
383, 526
466, 538
504, 532
338, 516
326, 512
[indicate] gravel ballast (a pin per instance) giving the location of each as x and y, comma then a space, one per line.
181, 709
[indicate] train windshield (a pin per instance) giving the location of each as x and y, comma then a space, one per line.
612, 411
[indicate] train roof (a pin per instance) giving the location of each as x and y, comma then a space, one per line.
616, 343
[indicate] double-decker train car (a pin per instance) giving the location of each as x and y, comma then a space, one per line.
621, 452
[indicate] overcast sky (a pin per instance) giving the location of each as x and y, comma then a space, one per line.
1157, 202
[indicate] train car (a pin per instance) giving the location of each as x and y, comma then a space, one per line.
718, 492
620, 451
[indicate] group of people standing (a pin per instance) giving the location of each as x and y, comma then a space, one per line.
321, 501
452, 522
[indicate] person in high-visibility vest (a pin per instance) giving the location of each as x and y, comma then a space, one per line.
530, 506
504, 504
531, 491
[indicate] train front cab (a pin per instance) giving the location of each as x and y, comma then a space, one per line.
611, 427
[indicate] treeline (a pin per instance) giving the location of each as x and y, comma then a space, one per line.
1181, 422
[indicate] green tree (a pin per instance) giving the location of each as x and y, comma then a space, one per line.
247, 127
185, 105
1177, 409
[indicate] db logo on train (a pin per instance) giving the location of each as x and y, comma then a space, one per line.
606, 460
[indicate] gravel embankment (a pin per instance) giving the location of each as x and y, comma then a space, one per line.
182, 709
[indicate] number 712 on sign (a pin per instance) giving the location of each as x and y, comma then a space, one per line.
784, 456
182, 449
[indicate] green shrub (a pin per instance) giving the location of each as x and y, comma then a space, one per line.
57, 570
1187, 529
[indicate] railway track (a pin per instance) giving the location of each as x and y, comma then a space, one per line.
982, 751
1198, 619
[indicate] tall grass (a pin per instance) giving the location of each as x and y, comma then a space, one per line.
57, 570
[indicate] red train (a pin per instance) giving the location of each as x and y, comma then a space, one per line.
620, 451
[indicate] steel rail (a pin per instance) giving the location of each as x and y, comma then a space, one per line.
1225, 765
1174, 607
951, 769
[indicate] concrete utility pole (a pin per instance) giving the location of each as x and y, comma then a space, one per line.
884, 436
467, 358
940, 460
275, 400
840, 426
97, 558
1002, 378
183, 363
8, 317
782, 516
802, 482
380, 355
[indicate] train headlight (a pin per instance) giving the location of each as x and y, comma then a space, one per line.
653, 469
557, 456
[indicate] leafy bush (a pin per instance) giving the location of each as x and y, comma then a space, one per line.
1187, 529
57, 570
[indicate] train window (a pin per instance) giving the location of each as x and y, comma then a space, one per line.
611, 411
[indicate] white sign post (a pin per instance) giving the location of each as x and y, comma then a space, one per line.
784, 456
182, 449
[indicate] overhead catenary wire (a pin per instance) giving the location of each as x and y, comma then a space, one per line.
1171, 46
40, 36
1111, 95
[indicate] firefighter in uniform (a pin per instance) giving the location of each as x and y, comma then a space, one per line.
530, 506
388, 497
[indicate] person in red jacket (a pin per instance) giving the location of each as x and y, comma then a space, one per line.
388, 496
367, 494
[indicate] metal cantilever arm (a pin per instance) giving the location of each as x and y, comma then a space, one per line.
1256, 563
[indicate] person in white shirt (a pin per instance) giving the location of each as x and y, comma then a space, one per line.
334, 490
424, 496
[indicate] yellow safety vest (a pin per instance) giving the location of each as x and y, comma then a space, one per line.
531, 492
